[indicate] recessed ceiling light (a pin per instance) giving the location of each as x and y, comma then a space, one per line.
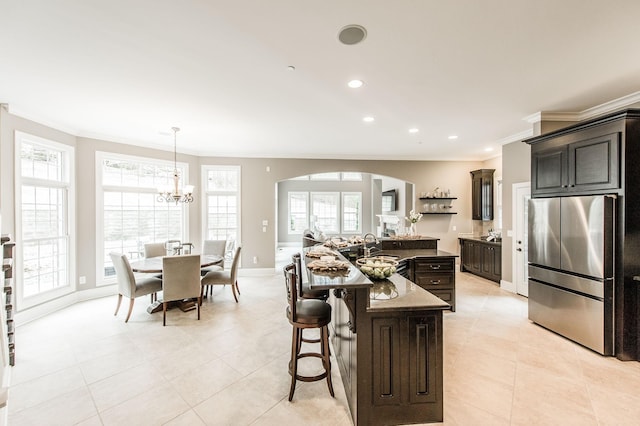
452, 137
413, 130
368, 119
354, 84
489, 149
291, 68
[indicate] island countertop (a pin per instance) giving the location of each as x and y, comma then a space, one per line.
410, 296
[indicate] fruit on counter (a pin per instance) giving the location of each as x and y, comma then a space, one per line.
377, 267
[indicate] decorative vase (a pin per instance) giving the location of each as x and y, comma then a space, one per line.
412, 230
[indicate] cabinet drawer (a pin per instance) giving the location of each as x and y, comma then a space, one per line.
433, 266
446, 295
433, 280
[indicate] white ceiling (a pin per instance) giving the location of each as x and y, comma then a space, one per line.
128, 71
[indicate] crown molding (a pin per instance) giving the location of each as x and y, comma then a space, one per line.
516, 137
611, 106
604, 108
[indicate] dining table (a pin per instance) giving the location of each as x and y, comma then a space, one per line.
153, 265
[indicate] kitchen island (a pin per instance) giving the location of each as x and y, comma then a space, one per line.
388, 349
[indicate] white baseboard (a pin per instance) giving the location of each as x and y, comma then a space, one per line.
38, 311
508, 286
256, 272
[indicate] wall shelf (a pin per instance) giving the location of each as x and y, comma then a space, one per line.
430, 205
438, 213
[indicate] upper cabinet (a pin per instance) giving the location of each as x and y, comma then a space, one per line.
482, 194
589, 164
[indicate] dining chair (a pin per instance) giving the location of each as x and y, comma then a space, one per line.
154, 250
215, 247
223, 277
128, 286
180, 280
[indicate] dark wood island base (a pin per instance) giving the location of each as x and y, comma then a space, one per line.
389, 351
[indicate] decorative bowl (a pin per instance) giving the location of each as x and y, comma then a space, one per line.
377, 267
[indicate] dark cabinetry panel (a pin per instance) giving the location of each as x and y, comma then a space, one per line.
482, 194
406, 367
588, 165
409, 244
438, 276
481, 258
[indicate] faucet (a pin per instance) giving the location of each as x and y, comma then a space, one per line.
367, 250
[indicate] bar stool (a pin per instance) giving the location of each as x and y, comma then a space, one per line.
304, 291
304, 314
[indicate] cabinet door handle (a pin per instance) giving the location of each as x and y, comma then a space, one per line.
434, 266
572, 185
563, 186
518, 249
435, 281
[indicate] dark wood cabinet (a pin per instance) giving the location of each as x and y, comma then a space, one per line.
404, 344
580, 167
399, 244
481, 258
437, 275
482, 194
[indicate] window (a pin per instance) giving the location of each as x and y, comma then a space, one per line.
329, 212
325, 176
351, 212
298, 212
128, 209
44, 219
324, 206
222, 206
353, 176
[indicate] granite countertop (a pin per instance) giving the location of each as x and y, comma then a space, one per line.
482, 240
409, 297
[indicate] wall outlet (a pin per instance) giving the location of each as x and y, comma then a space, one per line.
453, 228
82, 280
264, 229
265, 222
255, 259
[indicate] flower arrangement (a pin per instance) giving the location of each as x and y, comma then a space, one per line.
414, 217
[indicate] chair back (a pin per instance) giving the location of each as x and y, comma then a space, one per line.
234, 264
216, 247
180, 277
290, 281
154, 250
296, 258
172, 247
124, 274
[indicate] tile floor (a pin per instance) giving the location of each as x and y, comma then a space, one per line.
84, 366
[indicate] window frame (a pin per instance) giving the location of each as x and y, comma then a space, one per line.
67, 183
307, 214
342, 212
336, 195
204, 169
100, 156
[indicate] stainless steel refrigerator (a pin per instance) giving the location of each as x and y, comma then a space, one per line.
571, 268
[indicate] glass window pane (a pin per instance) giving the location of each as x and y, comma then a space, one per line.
324, 206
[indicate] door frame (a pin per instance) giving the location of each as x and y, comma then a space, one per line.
515, 189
